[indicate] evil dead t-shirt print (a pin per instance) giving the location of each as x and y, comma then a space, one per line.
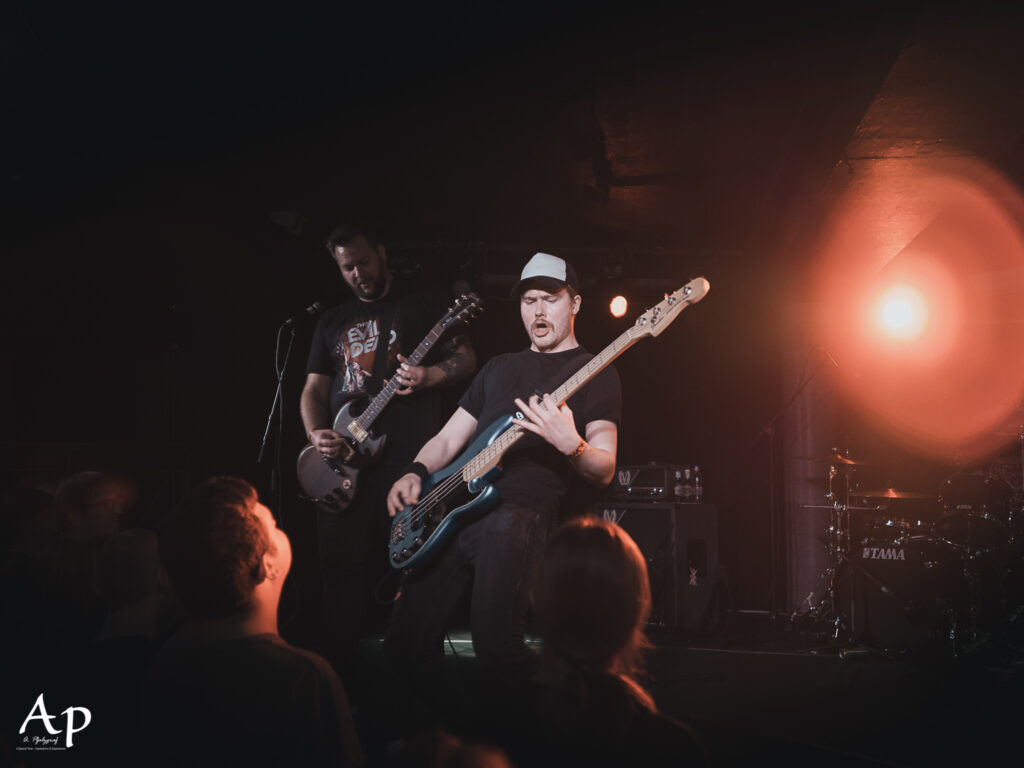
355, 352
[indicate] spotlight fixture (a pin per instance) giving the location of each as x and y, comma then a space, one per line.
618, 306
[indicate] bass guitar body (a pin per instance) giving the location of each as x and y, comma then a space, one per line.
332, 482
463, 490
447, 502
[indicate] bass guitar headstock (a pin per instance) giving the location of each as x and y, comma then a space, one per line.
659, 317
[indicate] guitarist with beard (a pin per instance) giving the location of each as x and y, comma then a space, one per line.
493, 557
356, 347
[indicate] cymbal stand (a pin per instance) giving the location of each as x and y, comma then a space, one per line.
837, 541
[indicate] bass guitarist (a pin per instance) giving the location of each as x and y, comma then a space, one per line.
494, 556
356, 347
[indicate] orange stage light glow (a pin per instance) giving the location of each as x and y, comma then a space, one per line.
901, 313
931, 344
618, 306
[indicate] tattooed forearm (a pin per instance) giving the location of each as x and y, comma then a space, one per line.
459, 361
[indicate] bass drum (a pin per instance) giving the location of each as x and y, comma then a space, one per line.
903, 598
976, 512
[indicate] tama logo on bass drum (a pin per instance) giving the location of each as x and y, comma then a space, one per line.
883, 553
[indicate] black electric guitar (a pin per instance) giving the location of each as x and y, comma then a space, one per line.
332, 481
463, 490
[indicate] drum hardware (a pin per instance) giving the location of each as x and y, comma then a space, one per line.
836, 457
896, 529
913, 586
892, 493
904, 579
976, 510
839, 487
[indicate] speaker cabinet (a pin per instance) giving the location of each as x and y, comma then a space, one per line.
680, 543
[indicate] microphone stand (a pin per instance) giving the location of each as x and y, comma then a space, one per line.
770, 430
277, 407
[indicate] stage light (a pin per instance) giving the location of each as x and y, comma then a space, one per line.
901, 313
618, 306
930, 340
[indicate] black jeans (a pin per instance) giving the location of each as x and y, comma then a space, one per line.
353, 561
496, 557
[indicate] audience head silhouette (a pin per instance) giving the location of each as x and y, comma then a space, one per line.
226, 678
223, 551
88, 506
593, 597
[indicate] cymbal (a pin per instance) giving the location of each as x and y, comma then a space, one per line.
837, 485
845, 509
834, 458
892, 493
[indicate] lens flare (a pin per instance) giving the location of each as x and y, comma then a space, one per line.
901, 313
929, 342
618, 306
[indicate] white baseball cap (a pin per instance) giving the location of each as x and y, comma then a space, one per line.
549, 271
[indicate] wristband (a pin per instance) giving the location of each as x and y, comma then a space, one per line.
417, 468
578, 451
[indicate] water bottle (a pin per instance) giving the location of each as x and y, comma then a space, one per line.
688, 484
698, 485
677, 486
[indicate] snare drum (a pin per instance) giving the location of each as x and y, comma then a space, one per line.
895, 530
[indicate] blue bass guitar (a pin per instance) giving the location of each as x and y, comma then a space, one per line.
463, 490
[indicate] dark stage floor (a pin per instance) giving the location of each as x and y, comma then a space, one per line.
787, 699
777, 694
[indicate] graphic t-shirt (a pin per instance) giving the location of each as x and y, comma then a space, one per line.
357, 345
347, 341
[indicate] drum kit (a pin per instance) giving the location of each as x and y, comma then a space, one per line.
913, 574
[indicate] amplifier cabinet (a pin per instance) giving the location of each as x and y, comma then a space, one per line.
680, 544
644, 482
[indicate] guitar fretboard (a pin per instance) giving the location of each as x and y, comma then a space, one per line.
379, 403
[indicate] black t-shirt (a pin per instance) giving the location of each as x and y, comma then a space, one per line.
247, 701
534, 474
348, 339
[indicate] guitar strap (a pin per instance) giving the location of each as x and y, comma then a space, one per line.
380, 360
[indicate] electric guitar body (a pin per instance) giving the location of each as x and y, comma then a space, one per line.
332, 482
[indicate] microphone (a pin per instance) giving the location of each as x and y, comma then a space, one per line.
310, 311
